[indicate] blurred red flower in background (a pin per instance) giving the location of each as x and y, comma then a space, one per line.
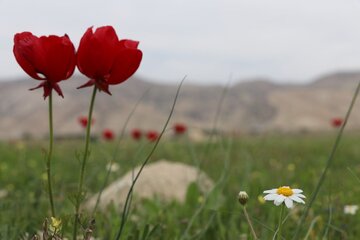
105, 59
136, 134
336, 122
83, 121
108, 134
179, 128
49, 59
152, 136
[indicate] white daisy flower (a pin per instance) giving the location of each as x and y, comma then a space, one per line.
351, 209
284, 194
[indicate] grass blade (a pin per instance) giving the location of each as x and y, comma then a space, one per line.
128, 197
328, 164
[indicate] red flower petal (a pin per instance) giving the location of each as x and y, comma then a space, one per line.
337, 122
59, 53
83, 121
136, 134
152, 136
126, 64
108, 134
127, 43
180, 128
27, 53
96, 52
52, 56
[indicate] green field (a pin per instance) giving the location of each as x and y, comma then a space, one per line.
249, 163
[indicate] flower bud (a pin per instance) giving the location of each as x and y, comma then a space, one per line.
243, 197
55, 225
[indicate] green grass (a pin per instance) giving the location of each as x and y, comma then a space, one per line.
255, 164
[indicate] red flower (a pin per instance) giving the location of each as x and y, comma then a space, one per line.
152, 136
108, 134
180, 128
49, 59
136, 134
336, 122
84, 121
105, 59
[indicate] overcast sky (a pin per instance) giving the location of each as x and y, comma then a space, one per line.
209, 40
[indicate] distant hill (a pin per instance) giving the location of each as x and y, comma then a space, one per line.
256, 105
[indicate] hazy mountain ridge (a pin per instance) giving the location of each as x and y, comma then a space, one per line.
256, 105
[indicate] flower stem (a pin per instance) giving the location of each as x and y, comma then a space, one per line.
49, 156
83, 163
280, 222
249, 222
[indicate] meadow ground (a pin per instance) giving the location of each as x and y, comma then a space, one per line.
248, 163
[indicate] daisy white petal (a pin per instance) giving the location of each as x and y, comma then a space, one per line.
300, 195
271, 191
296, 199
289, 203
279, 200
297, 190
270, 197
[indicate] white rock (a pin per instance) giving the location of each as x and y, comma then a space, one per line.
163, 179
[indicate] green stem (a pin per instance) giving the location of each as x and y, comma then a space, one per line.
49, 156
83, 163
279, 232
250, 224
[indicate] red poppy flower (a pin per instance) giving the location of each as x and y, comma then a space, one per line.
84, 121
136, 134
180, 128
152, 136
108, 134
105, 59
336, 122
49, 59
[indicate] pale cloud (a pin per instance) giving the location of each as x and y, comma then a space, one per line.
206, 39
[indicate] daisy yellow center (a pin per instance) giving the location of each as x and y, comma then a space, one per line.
285, 191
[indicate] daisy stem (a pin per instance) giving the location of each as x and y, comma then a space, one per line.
280, 222
79, 196
49, 156
249, 222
